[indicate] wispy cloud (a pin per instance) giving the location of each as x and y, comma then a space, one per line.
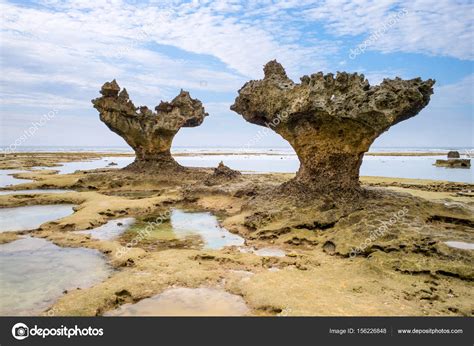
58, 53
457, 94
443, 28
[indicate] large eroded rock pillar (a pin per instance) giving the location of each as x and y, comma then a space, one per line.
329, 121
149, 133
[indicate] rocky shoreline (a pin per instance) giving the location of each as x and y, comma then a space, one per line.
321, 242
380, 253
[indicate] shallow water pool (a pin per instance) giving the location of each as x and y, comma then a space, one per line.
71, 167
110, 230
186, 302
35, 272
264, 252
270, 252
460, 245
189, 229
33, 191
31, 217
6, 179
204, 225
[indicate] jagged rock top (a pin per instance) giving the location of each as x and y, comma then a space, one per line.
149, 133
342, 96
182, 111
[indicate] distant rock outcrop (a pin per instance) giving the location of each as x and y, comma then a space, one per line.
149, 133
330, 121
454, 163
221, 174
453, 155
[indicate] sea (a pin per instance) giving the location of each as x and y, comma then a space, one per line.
284, 160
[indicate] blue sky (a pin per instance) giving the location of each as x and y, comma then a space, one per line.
55, 55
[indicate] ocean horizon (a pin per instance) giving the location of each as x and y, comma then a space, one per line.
236, 149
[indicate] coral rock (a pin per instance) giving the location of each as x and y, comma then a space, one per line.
149, 133
454, 163
454, 155
330, 121
221, 174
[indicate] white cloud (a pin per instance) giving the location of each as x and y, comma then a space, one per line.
455, 95
59, 52
79, 45
441, 27
42, 100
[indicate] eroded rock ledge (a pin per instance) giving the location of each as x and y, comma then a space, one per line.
149, 133
330, 121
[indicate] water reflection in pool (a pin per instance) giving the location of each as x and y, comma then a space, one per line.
190, 229
110, 230
7, 179
460, 245
31, 217
35, 272
206, 226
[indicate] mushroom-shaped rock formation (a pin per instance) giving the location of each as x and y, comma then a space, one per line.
330, 121
149, 133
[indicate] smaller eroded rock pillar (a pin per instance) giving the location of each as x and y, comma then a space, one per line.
149, 133
330, 121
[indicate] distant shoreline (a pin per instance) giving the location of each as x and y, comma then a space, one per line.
214, 153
